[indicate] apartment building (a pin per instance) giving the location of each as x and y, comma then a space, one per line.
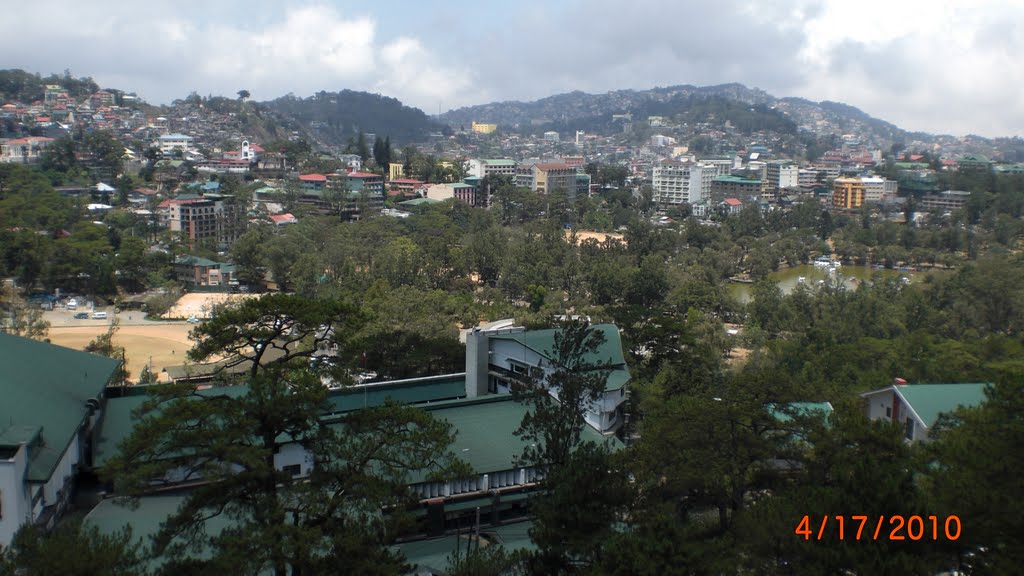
676, 182
847, 193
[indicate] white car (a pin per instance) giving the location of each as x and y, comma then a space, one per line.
193, 320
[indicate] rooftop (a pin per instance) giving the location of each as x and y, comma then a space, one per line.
930, 400
47, 387
609, 353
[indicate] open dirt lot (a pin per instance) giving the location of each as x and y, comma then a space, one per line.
582, 235
166, 344
200, 304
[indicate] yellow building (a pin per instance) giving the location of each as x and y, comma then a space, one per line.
847, 193
395, 171
481, 128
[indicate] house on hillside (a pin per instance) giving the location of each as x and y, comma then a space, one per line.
53, 398
918, 406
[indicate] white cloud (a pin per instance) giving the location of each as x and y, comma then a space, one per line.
309, 48
934, 65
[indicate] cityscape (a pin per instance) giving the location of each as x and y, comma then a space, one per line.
693, 328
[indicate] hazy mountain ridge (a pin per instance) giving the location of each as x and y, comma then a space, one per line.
819, 118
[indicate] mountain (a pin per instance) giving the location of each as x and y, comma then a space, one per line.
747, 109
335, 117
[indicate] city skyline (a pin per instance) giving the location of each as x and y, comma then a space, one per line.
939, 67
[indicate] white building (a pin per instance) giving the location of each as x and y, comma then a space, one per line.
52, 399
168, 143
917, 407
496, 357
876, 188
491, 166
676, 182
551, 136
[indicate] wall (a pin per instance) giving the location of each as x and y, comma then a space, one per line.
13, 503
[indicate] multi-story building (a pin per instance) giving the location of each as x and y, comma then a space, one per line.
212, 218
847, 193
724, 187
483, 128
492, 166
366, 182
169, 143
676, 182
52, 402
23, 150
945, 201
545, 177
877, 188
496, 357
782, 175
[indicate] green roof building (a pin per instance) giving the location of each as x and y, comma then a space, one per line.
496, 357
52, 397
918, 406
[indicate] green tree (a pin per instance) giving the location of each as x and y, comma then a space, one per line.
314, 522
553, 427
275, 330
72, 550
104, 346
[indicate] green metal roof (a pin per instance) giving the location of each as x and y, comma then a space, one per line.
46, 387
930, 400
499, 162
118, 418
609, 353
418, 201
114, 514
414, 391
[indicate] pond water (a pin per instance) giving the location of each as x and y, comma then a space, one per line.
811, 275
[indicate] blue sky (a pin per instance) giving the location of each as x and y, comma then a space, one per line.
941, 66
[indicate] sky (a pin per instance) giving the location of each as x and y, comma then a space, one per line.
939, 66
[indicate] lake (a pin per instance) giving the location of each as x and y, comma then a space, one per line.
850, 276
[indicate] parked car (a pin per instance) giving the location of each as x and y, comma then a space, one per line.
82, 316
193, 320
99, 315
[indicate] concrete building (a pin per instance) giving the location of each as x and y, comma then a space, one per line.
545, 177
169, 143
496, 357
213, 218
847, 193
23, 150
676, 182
492, 166
482, 128
945, 201
551, 136
782, 175
724, 187
52, 401
876, 188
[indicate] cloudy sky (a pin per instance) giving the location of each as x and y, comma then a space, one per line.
939, 66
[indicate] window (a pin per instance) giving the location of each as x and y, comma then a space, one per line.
888, 411
293, 469
910, 428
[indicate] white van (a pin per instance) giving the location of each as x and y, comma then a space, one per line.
72, 304
99, 315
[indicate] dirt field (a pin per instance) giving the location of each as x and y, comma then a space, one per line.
582, 235
166, 344
199, 304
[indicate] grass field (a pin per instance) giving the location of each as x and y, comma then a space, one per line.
166, 344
